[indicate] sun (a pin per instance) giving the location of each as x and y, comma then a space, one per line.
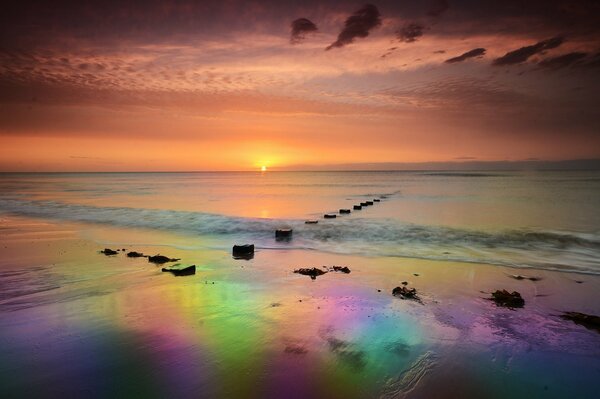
263, 168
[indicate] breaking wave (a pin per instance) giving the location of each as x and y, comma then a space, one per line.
564, 251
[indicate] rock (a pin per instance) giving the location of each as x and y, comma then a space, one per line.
406, 293
369, 202
134, 254
520, 277
357, 207
160, 259
416, 274
330, 216
179, 270
123, 249
588, 321
245, 251
404, 283
344, 211
312, 221
364, 204
108, 251
507, 299
343, 269
312, 272
376, 200
283, 234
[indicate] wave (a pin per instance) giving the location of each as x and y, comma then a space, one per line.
565, 251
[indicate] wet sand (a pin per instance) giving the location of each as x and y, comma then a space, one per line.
77, 323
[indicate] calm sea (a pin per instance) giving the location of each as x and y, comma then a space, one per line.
547, 220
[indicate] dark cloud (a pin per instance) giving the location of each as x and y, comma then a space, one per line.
410, 32
299, 28
438, 8
358, 25
522, 54
562, 61
477, 52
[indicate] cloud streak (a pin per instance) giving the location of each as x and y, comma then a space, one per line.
477, 52
522, 54
358, 25
300, 28
410, 32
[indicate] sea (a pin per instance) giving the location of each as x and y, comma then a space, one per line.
527, 219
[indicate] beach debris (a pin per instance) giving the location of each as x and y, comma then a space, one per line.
283, 234
406, 293
179, 270
244, 251
357, 207
588, 321
369, 202
329, 216
312, 272
521, 277
311, 221
108, 251
342, 269
134, 254
507, 299
344, 211
160, 259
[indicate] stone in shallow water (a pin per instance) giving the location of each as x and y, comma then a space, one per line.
312, 272
159, 259
406, 293
508, 299
179, 270
312, 221
588, 321
245, 251
357, 207
330, 216
344, 211
343, 269
134, 254
283, 234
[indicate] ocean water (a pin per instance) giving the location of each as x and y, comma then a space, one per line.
548, 220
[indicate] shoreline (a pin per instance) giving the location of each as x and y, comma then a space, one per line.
233, 312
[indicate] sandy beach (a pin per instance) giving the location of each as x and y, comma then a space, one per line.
77, 323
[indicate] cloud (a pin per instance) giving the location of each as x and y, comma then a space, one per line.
562, 61
438, 8
358, 25
477, 52
299, 28
410, 32
522, 54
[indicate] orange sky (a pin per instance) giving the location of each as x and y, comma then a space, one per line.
221, 87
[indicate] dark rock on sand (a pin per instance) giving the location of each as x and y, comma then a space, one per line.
108, 251
312, 272
520, 277
364, 204
406, 293
312, 221
344, 211
404, 283
369, 202
330, 216
343, 269
160, 259
179, 270
245, 251
507, 299
357, 207
588, 321
376, 200
134, 254
283, 234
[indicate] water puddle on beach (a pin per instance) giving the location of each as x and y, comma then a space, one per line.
75, 322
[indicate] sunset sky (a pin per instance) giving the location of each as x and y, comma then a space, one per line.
234, 85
